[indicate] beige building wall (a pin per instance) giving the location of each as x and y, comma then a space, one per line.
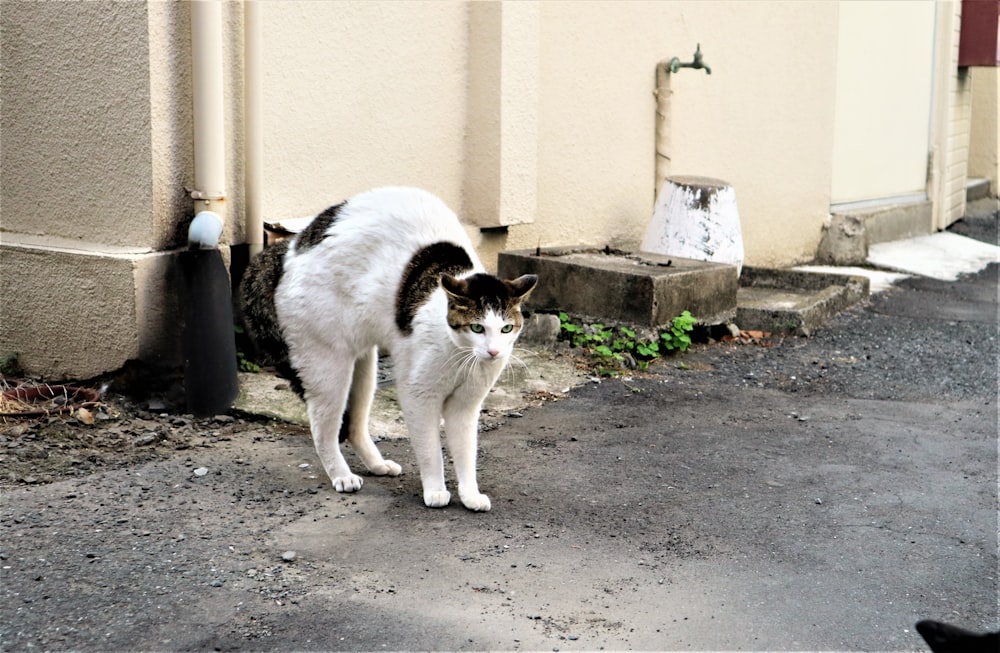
535, 120
76, 189
984, 139
763, 120
50, 152
362, 94
541, 115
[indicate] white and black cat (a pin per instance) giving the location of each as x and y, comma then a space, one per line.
391, 269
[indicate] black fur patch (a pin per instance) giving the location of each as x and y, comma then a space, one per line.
259, 313
315, 232
422, 276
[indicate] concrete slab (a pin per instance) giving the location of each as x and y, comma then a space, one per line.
794, 301
944, 256
611, 285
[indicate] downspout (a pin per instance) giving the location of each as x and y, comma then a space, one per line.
254, 127
209, 193
210, 381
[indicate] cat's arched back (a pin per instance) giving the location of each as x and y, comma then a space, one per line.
390, 270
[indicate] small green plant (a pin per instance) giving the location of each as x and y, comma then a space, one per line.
678, 337
243, 364
614, 347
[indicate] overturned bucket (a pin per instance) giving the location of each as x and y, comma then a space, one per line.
696, 218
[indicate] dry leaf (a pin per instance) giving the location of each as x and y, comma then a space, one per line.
85, 416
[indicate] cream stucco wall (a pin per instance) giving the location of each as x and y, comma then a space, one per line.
361, 94
91, 112
984, 140
95, 155
762, 120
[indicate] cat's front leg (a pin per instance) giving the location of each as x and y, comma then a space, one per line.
461, 426
427, 446
423, 421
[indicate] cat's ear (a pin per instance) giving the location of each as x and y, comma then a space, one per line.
455, 287
520, 288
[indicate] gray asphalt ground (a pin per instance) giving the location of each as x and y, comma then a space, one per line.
822, 494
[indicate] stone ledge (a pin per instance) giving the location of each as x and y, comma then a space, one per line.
612, 285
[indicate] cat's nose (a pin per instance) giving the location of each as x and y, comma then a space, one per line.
493, 353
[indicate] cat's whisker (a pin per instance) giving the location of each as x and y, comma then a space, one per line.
464, 362
515, 367
457, 356
517, 360
523, 350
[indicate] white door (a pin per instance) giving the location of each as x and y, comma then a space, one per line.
885, 60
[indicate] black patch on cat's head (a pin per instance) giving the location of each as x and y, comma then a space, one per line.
421, 278
470, 298
315, 232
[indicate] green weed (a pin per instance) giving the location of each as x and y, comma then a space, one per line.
616, 347
243, 364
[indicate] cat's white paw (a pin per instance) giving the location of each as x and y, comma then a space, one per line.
387, 468
477, 502
438, 499
349, 483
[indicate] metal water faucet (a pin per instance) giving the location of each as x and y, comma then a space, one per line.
675, 63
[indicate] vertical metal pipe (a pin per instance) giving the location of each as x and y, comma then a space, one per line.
252, 115
663, 93
209, 111
210, 380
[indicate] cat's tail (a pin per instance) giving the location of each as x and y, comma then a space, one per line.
260, 317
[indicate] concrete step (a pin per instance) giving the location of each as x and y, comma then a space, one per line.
853, 229
943, 255
616, 287
794, 301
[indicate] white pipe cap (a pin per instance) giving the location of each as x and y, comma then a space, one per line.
205, 230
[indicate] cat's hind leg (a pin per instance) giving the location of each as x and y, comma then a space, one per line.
326, 402
359, 407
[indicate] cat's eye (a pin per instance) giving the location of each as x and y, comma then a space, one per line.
476, 328
507, 328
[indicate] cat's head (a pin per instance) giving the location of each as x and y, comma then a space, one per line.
484, 312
